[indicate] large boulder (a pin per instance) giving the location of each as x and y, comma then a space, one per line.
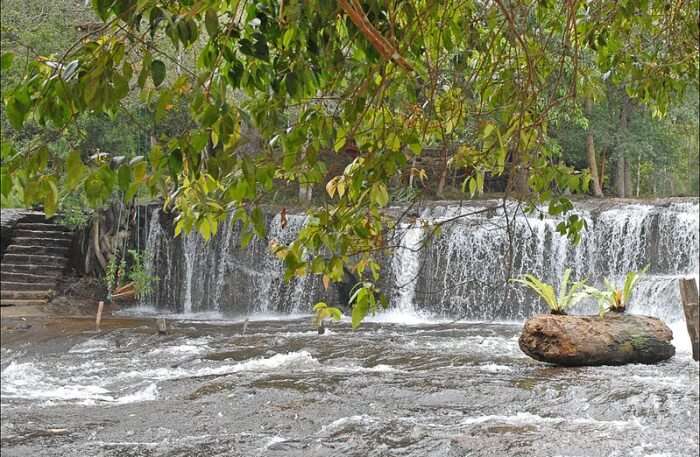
615, 339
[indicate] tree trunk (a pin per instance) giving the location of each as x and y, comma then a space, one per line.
639, 173
620, 177
615, 339
691, 309
305, 193
443, 174
590, 152
671, 183
410, 175
623, 184
603, 163
519, 176
629, 190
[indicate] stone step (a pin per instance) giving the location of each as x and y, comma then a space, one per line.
26, 278
38, 218
21, 233
41, 270
38, 250
18, 302
29, 286
48, 260
24, 294
39, 241
40, 227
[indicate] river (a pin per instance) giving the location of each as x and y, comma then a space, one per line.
280, 389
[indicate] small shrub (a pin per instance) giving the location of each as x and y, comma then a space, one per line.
74, 212
139, 274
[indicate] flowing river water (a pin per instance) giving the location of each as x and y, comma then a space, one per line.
433, 389
410, 382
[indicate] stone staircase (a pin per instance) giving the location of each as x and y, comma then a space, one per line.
34, 261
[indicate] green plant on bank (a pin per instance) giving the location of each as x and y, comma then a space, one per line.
111, 278
558, 304
74, 210
613, 298
140, 275
322, 312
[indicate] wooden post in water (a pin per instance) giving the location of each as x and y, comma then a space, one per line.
691, 308
98, 318
162, 327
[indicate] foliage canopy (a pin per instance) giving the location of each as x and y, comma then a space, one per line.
380, 79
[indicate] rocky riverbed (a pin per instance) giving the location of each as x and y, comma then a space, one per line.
273, 387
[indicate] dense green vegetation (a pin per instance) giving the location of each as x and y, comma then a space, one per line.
216, 105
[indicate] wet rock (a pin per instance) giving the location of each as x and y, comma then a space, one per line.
615, 339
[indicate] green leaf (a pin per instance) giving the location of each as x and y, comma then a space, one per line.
340, 140
246, 238
472, 186
379, 194
139, 171
205, 229
258, 219
5, 183
359, 311
50, 195
102, 7
211, 22
157, 72
288, 36
16, 112
124, 177
260, 49
6, 60
74, 169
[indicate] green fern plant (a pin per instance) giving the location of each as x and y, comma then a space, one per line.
613, 298
568, 295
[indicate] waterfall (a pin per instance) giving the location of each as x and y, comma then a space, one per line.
463, 272
405, 264
218, 275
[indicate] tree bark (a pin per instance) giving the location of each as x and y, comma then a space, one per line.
443, 176
691, 309
410, 175
305, 193
519, 176
590, 152
622, 181
629, 189
603, 168
615, 339
639, 174
620, 177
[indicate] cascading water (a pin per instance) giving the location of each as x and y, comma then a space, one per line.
219, 276
462, 273
406, 265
